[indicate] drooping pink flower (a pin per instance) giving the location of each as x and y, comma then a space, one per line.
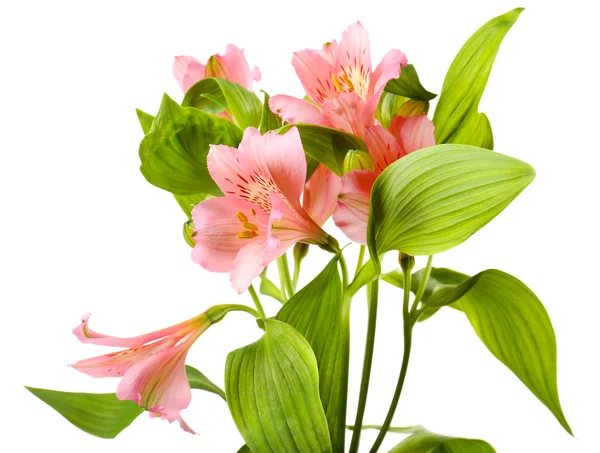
152, 368
404, 136
343, 88
260, 216
231, 66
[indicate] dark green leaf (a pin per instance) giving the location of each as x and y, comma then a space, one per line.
435, 198
316, 312
213, 95
272, 389
99, 414
456, 116
244, 449
199, 381
328, 146
268, 120
174, 153
145, 120
426, 442
409, 85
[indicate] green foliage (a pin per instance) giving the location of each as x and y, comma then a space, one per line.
426, 442
199, 381
173, 153
456, 117
316, 312
268, 120
145, 120
409, 85
272, 389
99, 414
434, 199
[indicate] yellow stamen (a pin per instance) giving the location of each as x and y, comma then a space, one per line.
245, 235
252, 211
348, 82
336, 83
250, 226
241, 216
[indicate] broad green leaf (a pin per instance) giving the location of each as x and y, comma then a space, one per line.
272, 389
188, 202
173, 153
145, 120
268, 120
213, 95
435, 198
409, 85
328, 146
199, 381
389, 107
244, 449
392, 429
316, 312
456, 117
99, 414
426, 442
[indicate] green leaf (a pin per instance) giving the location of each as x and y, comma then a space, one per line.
102, 415
409, 85
213, 95
268, 120
145, 120
426, 442
244, 449
316, 312
188, 202
328, 146
268, 288
272, 389
173, 153
199, 381
456, 117
435, 198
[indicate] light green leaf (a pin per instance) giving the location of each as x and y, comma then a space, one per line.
213, 95
268, 120
268, 288
272, 389
145, 120
199, 381
188, 202
426, 442
456, 117
409, 85
316, 312
435, 198
173, 153
99, 414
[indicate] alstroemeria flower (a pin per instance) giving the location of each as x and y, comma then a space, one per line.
152, 368
339, 80
404, 136
260, 216
321, 194
231, 66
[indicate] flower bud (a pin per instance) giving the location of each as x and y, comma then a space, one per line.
357, 159
300, 251
413, 108
407, 262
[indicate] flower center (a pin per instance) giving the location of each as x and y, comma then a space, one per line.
250, 230
352, 80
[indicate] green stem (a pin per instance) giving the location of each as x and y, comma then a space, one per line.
284, 273
422, 286
368, 361
281, 280
361, 258
408, 327
345, 340
256, 300
296, 275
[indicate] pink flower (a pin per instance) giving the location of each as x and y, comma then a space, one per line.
260, 216
232, 66
343, 88
152, 368
404, 136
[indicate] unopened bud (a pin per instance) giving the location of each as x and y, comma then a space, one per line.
413, 108
188, 233
407, 262
300, 251
357, 159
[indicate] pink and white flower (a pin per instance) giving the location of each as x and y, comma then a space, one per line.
404, 136
340, 82
231, 66
152, 368
260, 217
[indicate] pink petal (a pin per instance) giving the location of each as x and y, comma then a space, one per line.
330, 52
217, 225
188, 71
383, 147
354, 59
413, 133
247, 265
294, 110
352, 212
234, 67
321, 193
314, 71
346, 113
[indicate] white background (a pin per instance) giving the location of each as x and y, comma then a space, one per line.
83, 231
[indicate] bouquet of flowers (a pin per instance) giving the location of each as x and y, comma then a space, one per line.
258, 179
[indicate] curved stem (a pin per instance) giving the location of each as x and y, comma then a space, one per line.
408, 326
345, 340
361, 258
281, 280
296, 276
284, 273
422, 286
368, 361
256, 300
